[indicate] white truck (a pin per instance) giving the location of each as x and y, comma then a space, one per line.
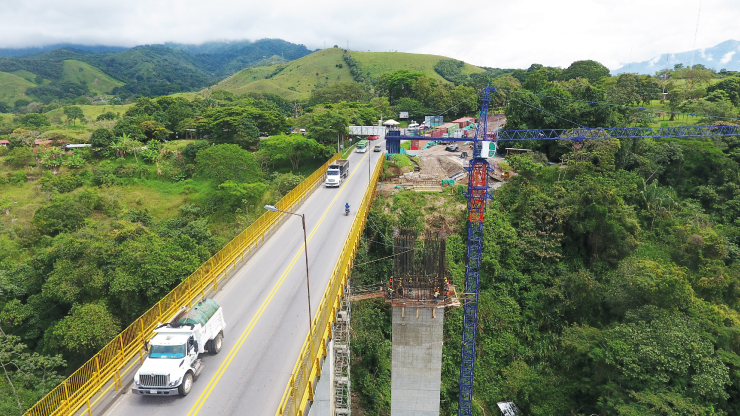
336, 172
172, 363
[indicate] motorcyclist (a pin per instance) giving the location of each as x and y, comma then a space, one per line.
346, 207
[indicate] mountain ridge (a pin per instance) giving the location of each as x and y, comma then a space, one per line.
724, 55
146, 70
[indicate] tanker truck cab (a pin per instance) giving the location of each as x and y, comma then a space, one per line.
173, 362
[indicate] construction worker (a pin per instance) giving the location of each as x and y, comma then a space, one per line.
436, 294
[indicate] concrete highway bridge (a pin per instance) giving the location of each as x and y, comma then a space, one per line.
270, 362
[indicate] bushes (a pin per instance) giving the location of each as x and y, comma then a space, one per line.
63, 214
102, 137
192, 149
60, 183
19, 157
18, 177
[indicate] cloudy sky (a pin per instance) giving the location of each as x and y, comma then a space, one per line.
492, 33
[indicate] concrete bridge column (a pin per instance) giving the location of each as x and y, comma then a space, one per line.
416, 364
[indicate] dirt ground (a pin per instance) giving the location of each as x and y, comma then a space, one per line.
437, 163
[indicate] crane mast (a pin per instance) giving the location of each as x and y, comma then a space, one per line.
477, 194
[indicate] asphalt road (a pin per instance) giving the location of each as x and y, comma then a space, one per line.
266, 311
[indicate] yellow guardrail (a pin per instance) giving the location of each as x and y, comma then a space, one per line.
109, 364
300, 388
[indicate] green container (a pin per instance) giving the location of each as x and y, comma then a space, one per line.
200, 313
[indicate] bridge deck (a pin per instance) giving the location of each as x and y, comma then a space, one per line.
266, 312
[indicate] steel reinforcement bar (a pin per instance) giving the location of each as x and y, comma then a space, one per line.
110, 363
300, 388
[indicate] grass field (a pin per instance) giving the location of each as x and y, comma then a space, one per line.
96, 80
93, 111
298, 78
13, 87
662, 116
186, 95
28, 76
378, 63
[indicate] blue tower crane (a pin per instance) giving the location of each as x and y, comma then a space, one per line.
478, 192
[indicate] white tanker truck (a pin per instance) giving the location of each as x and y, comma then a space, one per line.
172, 363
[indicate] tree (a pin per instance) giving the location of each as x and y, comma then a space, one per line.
19, 156
591, 70
29, 376
731, 87
126, 144
398, 84
63, 214
73, 113
87, 329
225, 162
222, 124
247, 133
339, 91
326, 126
102, 137
129, 126
108, 115
293, 148
34, 120
192, 149
239, 192
154, 130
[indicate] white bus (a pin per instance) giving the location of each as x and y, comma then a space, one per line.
361, 146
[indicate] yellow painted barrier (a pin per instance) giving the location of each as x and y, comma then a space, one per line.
301, 386
109, 364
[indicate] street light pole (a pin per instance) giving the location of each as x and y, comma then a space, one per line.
305, 250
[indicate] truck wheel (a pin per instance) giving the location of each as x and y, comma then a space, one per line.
217, 343
186, 385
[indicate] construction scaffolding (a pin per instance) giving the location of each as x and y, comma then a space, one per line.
418, 268
341, 339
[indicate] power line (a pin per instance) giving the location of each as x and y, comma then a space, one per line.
383, 258
619, 105
545, 111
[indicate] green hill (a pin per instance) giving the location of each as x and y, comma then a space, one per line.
376, 64
294, 80
13, 87
96, 80
298, 78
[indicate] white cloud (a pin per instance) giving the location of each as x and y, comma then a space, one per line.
654, 61
727, 57
490, 33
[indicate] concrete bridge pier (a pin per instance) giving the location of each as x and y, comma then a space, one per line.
416, 363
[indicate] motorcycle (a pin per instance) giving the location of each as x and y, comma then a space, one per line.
346, 211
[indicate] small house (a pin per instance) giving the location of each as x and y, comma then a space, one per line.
4, 143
